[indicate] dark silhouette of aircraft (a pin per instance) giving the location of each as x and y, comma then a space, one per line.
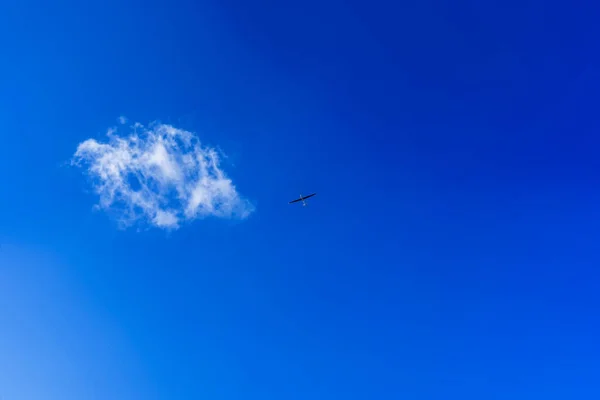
302, 199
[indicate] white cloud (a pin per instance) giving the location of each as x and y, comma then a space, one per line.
159, 175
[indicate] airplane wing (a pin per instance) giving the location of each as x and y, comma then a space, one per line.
302, 198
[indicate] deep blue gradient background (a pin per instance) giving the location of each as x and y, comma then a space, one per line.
452, 249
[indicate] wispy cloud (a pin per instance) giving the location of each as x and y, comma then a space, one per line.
159, 175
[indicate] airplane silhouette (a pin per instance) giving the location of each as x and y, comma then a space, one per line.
302, 199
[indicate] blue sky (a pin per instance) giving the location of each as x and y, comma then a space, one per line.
451, 251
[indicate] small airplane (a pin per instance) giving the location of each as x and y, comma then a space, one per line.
302, 199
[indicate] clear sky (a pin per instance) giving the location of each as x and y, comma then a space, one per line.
451, 252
